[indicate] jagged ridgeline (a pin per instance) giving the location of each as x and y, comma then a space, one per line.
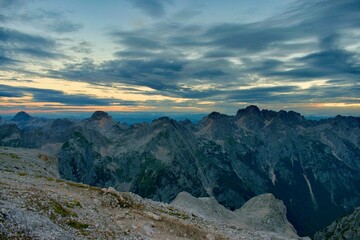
312, 166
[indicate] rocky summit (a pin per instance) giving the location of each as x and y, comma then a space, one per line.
313, 167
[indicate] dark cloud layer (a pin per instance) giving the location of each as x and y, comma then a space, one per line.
52, 20
14, 45
49, 95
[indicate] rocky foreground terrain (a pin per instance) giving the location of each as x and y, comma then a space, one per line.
36, 204
312, 166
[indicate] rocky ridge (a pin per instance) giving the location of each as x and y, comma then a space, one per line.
36, 204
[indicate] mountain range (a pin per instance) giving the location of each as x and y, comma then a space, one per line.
312, 166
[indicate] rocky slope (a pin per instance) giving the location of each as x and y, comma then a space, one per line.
346, 228
35, 204
312, 166
261, 213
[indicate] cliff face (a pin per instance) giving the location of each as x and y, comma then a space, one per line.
312, 166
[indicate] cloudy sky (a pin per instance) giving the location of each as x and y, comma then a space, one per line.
192, 56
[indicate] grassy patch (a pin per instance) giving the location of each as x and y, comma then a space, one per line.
10, 155
59, 209
175, 213
97, 189
84, 186
73, 204
77, 225
52, 217
80, 185
22, 174
50, 179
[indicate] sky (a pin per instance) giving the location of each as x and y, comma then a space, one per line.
180, 56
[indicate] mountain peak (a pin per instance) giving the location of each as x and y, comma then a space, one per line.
252, 108
291, 116
98, 115
215, 115
22, 116
162, 119
249, 109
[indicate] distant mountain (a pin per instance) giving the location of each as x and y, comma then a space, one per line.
22, 117
312, 166
24, 120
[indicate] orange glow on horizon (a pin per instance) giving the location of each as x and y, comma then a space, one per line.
335, 105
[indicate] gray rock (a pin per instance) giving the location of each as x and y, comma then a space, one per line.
17, 223
262, 213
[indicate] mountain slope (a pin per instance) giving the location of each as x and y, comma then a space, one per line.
346, 228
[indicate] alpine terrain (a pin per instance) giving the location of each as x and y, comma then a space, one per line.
313, 167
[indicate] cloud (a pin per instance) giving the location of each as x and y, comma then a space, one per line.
6, 61
52, 20
9, 3
135, 40
6, 91
330, 61
83, 47
158, 74
39, 53
153, 8
14, 37
8, 6
264, 94
3, 18
10, 9
64, 26
251, 37
55, 96
18, 47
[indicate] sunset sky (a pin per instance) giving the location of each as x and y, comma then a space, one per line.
191, 56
